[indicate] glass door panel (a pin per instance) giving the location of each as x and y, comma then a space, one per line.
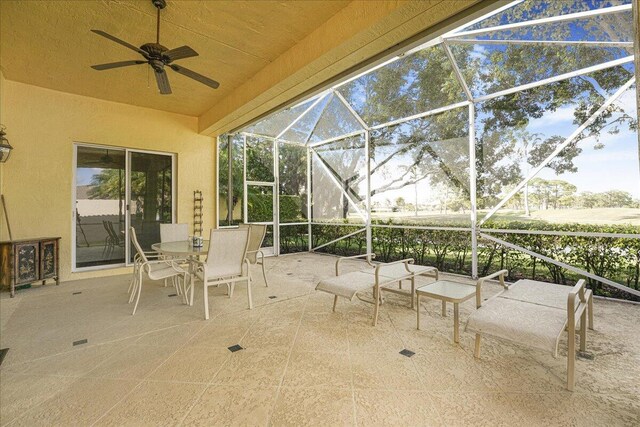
99, 206
151, 198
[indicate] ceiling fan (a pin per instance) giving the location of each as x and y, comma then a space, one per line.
158, 56
105, 159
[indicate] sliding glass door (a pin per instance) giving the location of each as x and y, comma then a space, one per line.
151, 201
116, 188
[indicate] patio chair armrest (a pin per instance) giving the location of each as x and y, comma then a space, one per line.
576, 291
500, 274
405, 261
368, 255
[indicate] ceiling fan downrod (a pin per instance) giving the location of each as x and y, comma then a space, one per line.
158, 4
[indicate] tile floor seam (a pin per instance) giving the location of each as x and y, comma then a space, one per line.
136, 386
210, 382
284, 372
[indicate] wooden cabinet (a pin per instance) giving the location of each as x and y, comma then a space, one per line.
29, 260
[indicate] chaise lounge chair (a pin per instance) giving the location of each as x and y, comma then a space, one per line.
377, 277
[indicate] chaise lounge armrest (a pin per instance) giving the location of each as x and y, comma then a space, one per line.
500, 274
368, 257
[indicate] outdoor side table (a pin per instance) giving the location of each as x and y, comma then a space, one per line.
447, 291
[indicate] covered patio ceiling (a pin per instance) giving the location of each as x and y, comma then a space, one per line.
263, 53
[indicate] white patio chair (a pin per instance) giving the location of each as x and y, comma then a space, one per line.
174, 232
256, 237
226, 263
155, 270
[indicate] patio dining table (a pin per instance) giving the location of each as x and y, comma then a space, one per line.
181, 249
185, 250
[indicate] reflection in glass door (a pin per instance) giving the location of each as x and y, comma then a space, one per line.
151, 198
99, 206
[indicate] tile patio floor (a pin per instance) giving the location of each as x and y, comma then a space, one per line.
301, 363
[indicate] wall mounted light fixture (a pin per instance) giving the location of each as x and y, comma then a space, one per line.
5, 147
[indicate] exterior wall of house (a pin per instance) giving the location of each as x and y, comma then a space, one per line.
43, 125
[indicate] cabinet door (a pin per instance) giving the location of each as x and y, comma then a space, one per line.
26, 262
48, 249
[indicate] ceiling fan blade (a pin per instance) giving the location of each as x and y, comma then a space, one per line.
180, 53
163, 82
110, 65
192, 74
122, 42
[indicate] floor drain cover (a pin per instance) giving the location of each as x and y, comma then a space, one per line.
76, 293
273, 297
235, 348
585, 355
79, 342
3, 354
407, 353
173, 295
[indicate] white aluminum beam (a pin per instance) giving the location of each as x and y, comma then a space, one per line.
483, 17
422, 227
561, 264
309, 200
456, 71
421, 115
582, 71
337, 138
550, 19
561, 233
351, 110
560, 147
304, 113
537, 42
338, 239
472, 191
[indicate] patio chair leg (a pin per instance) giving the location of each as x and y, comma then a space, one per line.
444, 309
376, 293
184, 288
264, 273
590, 310
192, 285
206, 302
476, 352
418, 313
583, 331
399, 284
413, 290
335, 301
139, 292
249, 293
231, 287
571, 357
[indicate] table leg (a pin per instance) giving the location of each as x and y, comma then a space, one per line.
418, 316
456, 332
444, 309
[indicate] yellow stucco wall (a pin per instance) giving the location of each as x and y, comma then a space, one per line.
42, 125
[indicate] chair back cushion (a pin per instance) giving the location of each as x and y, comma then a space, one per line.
174, 232
228, 249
